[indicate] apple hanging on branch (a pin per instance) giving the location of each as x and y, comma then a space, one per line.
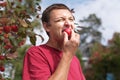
17, 23
18, 20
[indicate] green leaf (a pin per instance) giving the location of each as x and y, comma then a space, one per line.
13, 41
33, 39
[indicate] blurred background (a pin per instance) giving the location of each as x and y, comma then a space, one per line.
20, 27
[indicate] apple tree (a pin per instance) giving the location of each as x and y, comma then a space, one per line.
18, 19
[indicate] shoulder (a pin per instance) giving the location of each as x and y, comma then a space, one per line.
35, 50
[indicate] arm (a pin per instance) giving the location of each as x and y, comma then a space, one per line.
69, 48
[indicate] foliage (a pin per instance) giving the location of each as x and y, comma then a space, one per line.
18, 19
105, 59
79, 56
93, 23
90, 32
19, 62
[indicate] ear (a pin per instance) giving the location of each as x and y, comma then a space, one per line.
46, 26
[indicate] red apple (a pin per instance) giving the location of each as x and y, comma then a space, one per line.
6, 29
14, 28
1, 30
6, 35
6, 40
2, 57
2, 69
22, 42
8, 46
68, 31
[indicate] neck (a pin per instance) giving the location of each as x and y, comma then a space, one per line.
54, 44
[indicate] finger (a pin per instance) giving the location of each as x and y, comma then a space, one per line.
78, 38
72, 34
65, 36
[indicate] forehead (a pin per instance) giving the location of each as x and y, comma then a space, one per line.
60, 13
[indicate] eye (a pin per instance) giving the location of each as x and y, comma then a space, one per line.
58, 20
71, 19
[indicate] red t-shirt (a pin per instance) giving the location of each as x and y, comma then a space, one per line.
40, 62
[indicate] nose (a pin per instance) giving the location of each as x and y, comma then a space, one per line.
67, 23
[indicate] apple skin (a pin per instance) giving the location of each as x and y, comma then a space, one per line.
2, 69
2, 57
68, 31
6, 29
14, 28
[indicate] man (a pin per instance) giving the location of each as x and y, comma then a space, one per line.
56, 59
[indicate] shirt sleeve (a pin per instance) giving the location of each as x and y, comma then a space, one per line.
36, 64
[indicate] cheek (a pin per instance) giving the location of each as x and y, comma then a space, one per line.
56, 28
73, 26
59, 27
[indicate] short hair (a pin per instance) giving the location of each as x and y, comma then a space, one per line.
46, 13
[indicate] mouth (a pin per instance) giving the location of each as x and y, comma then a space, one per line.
68, 31
78, 29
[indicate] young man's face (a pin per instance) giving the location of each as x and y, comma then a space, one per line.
59, 20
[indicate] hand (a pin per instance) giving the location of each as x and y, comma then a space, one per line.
70, 45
